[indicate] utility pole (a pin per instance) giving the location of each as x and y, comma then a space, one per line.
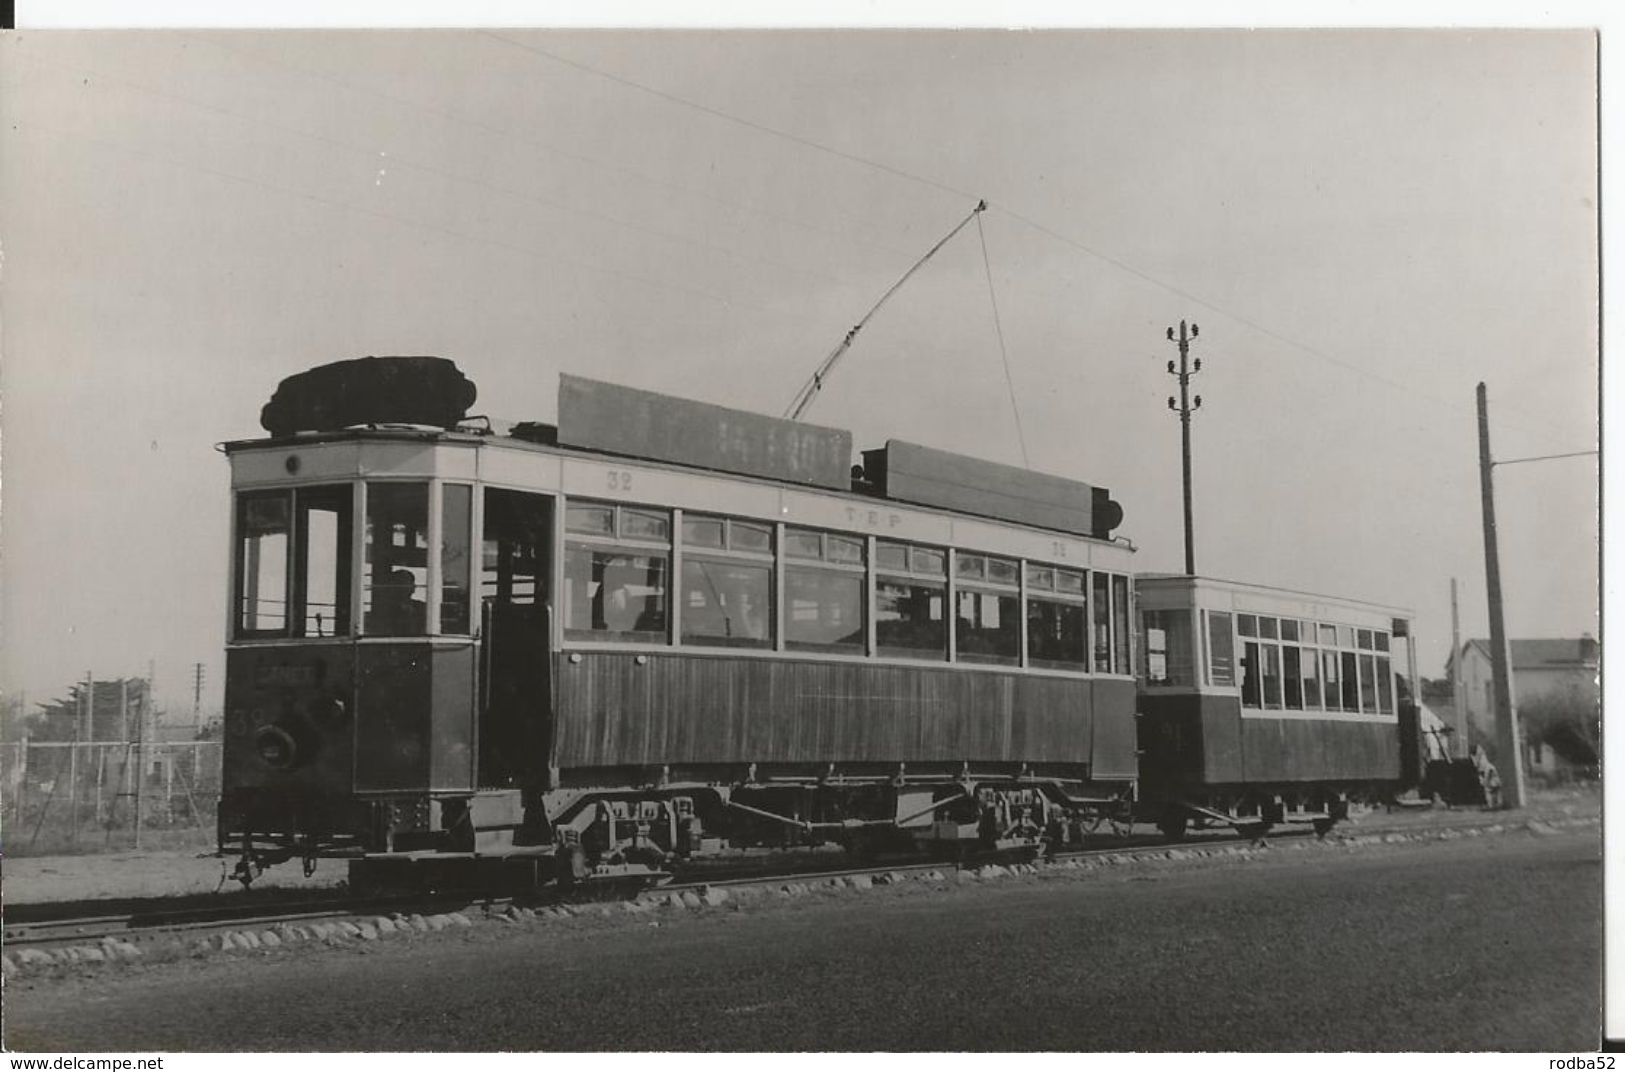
197, 696
1457, 701
1185, 408
1508, 737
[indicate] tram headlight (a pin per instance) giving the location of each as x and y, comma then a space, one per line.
276, 747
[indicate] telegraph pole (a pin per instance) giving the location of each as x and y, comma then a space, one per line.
1185, 408
1457, 699
197, 695
1506, 715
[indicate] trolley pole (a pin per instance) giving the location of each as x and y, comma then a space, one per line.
1185, 408
1508, 736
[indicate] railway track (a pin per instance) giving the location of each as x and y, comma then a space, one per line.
39, 925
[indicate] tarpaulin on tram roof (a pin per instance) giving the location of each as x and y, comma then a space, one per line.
910, 473
642, 424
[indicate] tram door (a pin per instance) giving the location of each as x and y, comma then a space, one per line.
515, 685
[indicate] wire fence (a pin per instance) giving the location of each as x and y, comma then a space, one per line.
93, 796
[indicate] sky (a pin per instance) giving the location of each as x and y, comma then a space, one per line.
1364, 224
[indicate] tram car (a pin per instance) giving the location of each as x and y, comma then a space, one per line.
656, 630
1261, 706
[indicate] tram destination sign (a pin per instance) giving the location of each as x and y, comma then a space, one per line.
642, 424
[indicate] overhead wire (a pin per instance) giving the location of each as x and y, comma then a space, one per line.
409, 164
549, 257
1004, 353
880, 166
551, 148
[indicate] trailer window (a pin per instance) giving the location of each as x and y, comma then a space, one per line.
1221, 649
1251, 690
1311, 678
1169, 652
1385, 685
1351, 681
1368, 684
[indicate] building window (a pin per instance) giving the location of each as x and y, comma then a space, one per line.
824, 592
1057, 619
727, 582
616, 566
988, 599
911, 602
396, 582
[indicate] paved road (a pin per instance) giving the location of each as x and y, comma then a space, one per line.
1491, 943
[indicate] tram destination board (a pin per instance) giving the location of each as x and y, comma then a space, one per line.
642, 424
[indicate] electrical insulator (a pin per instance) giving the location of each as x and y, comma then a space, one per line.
1193, 331
1171, 402
1170, 368
1170, 334
1198, 401
1198, 364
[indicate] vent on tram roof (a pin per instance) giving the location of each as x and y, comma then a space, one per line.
910, 473
370, 390
642, 424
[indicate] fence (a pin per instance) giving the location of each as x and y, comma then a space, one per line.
95, 796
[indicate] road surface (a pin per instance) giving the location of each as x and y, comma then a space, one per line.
1489, 943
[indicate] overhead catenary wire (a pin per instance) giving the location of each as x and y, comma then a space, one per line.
409, 164
815, 383
889, 169
1004, 353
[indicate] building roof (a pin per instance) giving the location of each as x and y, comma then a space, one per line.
1547, 653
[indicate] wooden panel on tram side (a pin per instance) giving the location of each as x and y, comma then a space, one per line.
704, 709
1319, 750
1115, 741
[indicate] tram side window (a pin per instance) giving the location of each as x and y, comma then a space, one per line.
911, 602
989, 610
1351, 680
1385, 685
727, 582
1221, 649
1120, 631
1368, 684
616, 566
1251, 689
456, 536
824, 593
1100, 595
293, 562
1169, 658
397, 560
1057, 619
1311, 673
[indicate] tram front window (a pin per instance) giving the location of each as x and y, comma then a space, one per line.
292, 568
